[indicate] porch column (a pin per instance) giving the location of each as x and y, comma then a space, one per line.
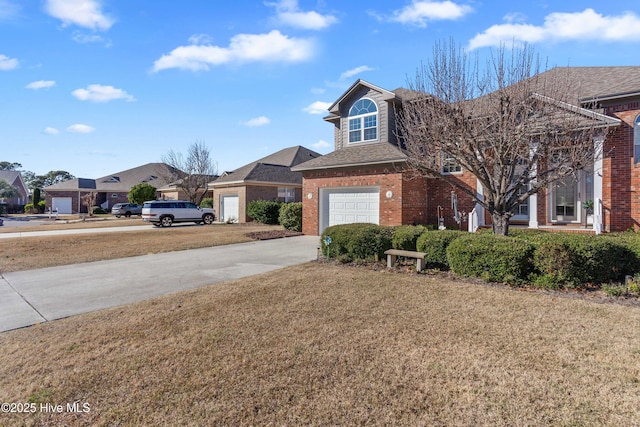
479, 209
597, 187
533, 211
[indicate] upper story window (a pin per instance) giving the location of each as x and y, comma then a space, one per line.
450, 165
363, 121
636, 140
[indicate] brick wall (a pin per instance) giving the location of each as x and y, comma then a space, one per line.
621, 176
405, 204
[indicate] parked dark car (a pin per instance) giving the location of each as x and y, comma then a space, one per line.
126, 209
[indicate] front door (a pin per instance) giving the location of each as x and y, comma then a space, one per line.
565, 200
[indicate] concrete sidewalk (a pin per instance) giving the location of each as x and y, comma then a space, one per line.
35, 296
15, 234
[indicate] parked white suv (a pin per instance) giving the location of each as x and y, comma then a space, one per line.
166, 212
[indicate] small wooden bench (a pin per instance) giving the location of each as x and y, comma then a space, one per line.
393, 254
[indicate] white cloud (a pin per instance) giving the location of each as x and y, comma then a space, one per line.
321, 144
350, 73
318, 90
80, 128
288, 13
317, 107
7, 63
200, 39
243, 48
51, 131
88, 38
83, 13
419, 13
41, 84
100, 93
257, 121
8, 9
585, 25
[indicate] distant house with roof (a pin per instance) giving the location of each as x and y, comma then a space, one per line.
14, 179
66, 197
366, 179
269, 178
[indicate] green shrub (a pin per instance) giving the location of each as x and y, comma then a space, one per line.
98, 210
434, 244
357, 241
291, 216
406, 236
264, 211
207, 202
490, 257
41, 206
30, 209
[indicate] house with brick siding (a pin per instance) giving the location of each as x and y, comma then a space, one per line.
268, 178
66, 197
365, 178
14, 204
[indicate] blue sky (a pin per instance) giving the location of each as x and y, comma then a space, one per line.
99, 86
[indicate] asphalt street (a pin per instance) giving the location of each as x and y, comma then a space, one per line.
36, 296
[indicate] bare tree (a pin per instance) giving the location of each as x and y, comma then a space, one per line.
515, 129
191, 173
89, 201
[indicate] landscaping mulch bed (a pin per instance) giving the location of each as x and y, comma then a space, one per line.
272, 234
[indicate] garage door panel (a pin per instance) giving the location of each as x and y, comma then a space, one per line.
61, 204
230, 208
347, 206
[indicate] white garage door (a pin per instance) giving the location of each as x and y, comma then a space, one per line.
350, 205
229, 208
62, 204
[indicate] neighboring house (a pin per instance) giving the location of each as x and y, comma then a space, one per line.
174, 191
15, 204
66, 197
269, 178
365, 178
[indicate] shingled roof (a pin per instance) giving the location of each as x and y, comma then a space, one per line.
275, 168
597, 83
356, 155
151, 173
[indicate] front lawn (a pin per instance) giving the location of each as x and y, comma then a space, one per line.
320, 344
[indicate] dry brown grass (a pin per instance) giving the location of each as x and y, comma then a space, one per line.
70, 222
37, 252
324, 345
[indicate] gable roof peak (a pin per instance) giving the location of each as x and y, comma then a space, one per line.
386, 94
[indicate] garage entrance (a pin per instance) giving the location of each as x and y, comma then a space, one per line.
229, 208
349, 205
61, 204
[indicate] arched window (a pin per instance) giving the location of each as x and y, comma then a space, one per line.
363, 121
636, 140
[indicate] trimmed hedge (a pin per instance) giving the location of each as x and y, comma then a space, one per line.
492, 258
264, 211
434, 244
290, 216
549, 260
405, 237
357, 241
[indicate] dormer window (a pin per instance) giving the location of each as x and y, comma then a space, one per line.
363, 121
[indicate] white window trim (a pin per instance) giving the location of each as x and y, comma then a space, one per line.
443, 159
362, 129
636, 140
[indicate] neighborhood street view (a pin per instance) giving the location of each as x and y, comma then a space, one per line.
292, 212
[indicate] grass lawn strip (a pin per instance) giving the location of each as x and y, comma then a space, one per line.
319, 344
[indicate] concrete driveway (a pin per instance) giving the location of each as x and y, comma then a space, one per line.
35, 296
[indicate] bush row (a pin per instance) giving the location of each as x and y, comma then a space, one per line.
549, 260
289, 215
